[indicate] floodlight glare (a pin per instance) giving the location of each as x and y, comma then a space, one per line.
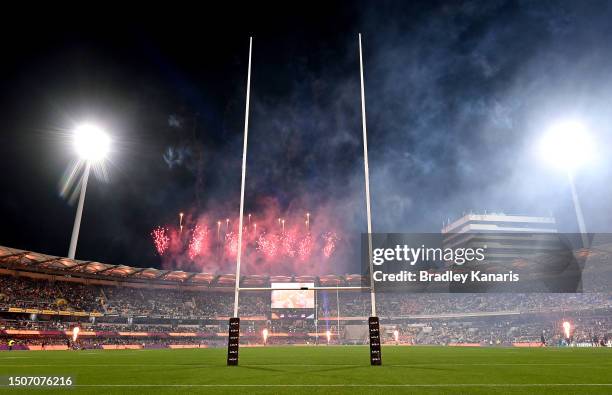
567, 145
92, 145
91, 142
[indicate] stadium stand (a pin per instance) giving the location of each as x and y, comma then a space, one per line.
43, 297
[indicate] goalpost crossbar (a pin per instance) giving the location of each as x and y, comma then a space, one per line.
306, 289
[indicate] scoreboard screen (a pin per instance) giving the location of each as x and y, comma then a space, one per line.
290, 298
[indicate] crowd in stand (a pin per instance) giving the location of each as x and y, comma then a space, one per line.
404, 305
420, 318
127, 301
28, 293
174, 303
143, 302
485, 331
59, 325
27, 324
95, 343
507, 331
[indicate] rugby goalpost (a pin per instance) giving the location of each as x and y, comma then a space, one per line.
373, 322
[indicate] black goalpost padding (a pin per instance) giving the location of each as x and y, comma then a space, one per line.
233, 341
375, 355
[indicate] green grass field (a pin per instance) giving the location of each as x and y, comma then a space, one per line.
338, 370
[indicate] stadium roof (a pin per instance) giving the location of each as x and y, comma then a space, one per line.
14, 259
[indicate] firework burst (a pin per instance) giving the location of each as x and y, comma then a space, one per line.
272, 241
231, 244
198, 241
304, 248
330, 239
160, 239
267, 245
287, 242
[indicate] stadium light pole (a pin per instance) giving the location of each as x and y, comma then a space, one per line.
567, 146
92, 145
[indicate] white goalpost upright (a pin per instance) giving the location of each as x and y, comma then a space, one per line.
373, 323
367, 178
233, 342
244, 158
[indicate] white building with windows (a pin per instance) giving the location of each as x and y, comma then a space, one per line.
506, 238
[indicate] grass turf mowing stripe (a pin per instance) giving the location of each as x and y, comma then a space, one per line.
358, 385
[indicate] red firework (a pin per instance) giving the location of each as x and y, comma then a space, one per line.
330, 239
231, 243
160, 239
305, 247
273, 240
287, 241
198, 241
266, 244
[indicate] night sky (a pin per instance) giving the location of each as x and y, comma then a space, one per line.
457, 96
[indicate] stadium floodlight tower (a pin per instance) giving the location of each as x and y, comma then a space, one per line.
568, 146
92, 145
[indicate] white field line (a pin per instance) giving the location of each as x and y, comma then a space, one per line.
416, 365
448, 385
